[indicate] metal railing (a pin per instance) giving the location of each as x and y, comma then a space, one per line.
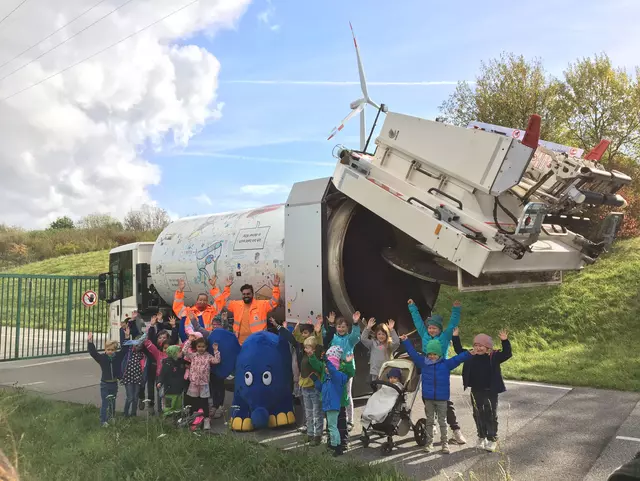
43, 315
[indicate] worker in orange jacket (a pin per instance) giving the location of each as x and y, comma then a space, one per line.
249, 314
202, 306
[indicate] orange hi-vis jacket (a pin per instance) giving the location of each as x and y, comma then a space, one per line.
258, 311
210, 311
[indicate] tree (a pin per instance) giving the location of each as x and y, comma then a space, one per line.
602, 103
62, 223
508, 91
147, 218
99, 221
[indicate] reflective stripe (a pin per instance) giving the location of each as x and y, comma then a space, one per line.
257, 323
180, 314
178, 299
217, 295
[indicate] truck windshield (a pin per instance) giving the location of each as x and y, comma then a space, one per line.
121, 265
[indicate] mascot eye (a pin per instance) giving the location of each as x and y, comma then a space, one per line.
266, 378
248, 378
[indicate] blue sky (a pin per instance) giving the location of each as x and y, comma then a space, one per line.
273, 135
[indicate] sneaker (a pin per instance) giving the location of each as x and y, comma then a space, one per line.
349, 427
428, 448
207, 423
491, 446
302, 429
217, 413
141, 405
481, 443
317, 441
445, 448
458, 437
105, 425
435, 431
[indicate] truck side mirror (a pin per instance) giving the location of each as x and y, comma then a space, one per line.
102, 287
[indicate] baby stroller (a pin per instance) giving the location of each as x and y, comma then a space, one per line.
397, 421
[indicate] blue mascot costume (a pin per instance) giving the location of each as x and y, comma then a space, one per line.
263, 395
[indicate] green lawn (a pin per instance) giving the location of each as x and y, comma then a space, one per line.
585, 332
87, 264
54, 440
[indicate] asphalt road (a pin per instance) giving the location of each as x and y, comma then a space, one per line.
547, 432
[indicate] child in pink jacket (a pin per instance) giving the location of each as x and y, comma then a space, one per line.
201, 361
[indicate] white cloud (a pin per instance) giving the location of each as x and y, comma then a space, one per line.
264, 189
72, 144
203, 199
266, 17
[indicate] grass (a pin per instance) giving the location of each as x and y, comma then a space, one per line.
86, 264
56, 440
584, 332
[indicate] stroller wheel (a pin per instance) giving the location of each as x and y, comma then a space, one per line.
387, 448
420, 432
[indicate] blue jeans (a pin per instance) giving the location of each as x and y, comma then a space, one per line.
131, 401
332, 423
313, 410
108, 407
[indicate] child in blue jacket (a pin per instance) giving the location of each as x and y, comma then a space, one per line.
432, 329
337, 334
332, 388
435, 369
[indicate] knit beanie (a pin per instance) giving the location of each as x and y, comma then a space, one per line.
334, 353
173, 351
395, 372
434, 347
483, 340
435, 320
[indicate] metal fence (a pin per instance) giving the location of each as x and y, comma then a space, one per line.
43, 315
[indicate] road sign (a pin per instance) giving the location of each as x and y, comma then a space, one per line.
89, 298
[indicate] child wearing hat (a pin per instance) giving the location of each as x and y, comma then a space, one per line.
432, 329
435, 369
332, 388
483, 375
172, 380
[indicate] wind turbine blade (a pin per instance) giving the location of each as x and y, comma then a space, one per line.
353, 113
363, 81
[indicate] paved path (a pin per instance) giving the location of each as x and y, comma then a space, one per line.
548, 432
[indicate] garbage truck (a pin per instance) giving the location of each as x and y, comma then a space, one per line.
434, 204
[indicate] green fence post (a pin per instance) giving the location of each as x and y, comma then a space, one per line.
18, 314
67, 342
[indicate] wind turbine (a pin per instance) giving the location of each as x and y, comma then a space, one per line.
357, 106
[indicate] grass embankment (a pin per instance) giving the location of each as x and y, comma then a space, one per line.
585, 332
56, 440
86, 264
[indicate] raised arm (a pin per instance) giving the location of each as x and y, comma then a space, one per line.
505, 354
186, 351
457, 343
458, 359
454, 320
413, 354
178, 300
153, 350
354, 336
275, 296
417, 319
93, 352
395, 340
